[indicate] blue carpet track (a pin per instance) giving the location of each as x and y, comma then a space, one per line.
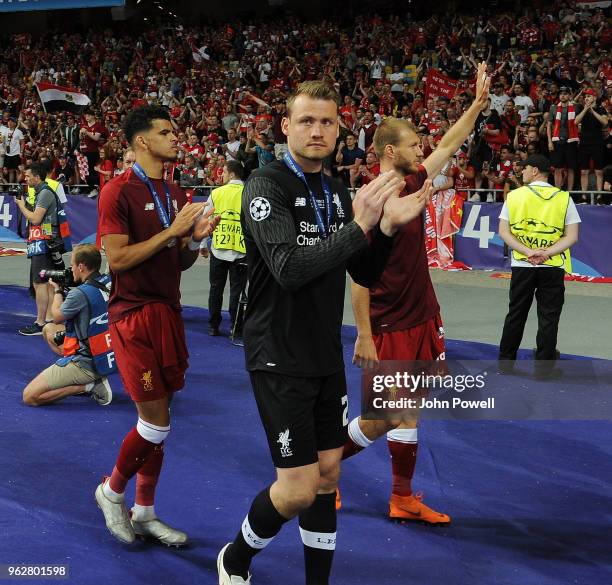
531, 501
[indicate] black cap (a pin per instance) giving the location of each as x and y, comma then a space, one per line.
565, 89
537, 160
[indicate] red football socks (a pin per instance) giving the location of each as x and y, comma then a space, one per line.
148, 475
133, 454
403, 447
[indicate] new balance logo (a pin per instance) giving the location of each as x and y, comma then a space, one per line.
284, 440
149, 206
300, 201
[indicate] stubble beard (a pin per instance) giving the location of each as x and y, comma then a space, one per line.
172, 157
405, 168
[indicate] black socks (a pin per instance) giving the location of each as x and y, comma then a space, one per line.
318, 531
261, 525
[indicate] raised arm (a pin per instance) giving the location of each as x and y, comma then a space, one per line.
339, 156
257, 100
459, 131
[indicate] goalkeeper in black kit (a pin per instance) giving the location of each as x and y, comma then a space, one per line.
302, 233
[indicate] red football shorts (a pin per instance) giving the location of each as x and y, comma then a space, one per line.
149, 346
423, 342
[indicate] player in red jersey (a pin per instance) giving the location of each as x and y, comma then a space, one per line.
398, 318
144, 223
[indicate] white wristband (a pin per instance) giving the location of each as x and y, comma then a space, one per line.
193, 245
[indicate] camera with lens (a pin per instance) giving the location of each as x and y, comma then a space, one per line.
63, 277
16, 191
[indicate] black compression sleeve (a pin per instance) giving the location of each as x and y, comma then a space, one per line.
294, 266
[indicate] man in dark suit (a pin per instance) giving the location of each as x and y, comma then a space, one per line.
70, 133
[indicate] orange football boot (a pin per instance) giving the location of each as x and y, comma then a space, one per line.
412, 509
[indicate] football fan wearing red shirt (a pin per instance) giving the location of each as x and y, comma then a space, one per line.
370, 170
104, 168
464, 175
497, 176
217, 174
398, 318
347, 111
91, 132
144, 223
197, 150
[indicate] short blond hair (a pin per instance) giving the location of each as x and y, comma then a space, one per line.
316, 90
89, 255
390, 131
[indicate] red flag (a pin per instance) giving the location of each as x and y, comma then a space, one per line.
431, 237
442, 222
438, 84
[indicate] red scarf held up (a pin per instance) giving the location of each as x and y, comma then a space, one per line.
571, 123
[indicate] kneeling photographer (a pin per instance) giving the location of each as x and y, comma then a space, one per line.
88, 355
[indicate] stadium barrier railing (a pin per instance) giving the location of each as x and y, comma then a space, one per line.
204, 190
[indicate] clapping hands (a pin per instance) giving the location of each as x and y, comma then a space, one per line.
399, 211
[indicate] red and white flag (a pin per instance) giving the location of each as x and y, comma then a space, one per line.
56, 98
442, 222
82, 166
200, 54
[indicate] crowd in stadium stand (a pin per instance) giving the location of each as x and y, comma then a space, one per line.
225, 87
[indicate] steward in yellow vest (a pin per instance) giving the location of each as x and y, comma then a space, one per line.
537, 215
539, 223
227, 249
227, 201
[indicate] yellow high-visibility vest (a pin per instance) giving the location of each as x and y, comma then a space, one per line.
537, 220
32, 195
227, 201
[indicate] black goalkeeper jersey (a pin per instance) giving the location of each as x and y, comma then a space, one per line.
296, 278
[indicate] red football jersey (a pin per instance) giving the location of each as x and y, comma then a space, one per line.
404, 296
126, 207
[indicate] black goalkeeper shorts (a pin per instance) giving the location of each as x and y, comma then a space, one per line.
301, 416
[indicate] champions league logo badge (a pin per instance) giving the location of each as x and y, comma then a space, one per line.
260, 208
